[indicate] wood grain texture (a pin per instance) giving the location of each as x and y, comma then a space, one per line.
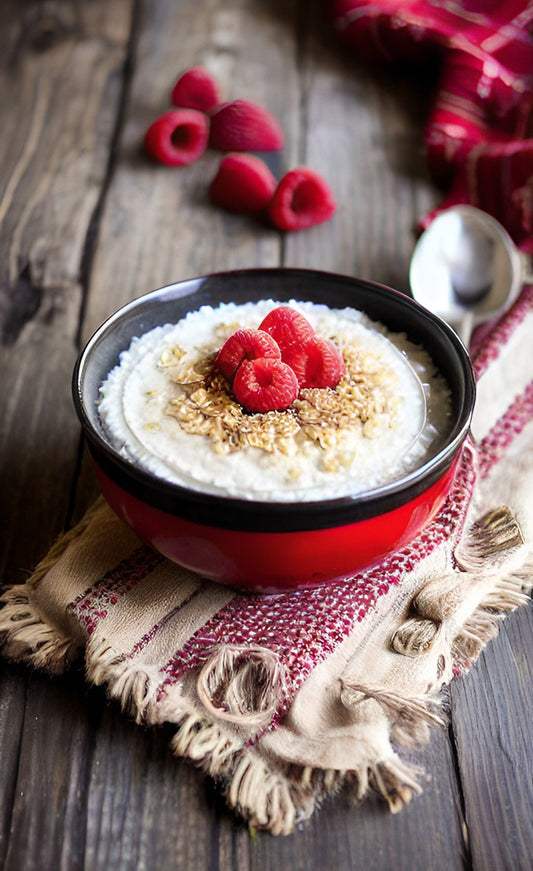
12, 702
60, 89
492, 712
51, 782
87, 223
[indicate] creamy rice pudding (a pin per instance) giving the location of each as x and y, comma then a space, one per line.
166, 408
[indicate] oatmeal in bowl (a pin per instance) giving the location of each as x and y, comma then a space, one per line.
273, 429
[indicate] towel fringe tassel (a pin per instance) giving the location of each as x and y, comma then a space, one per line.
277, 800
506, 595
133, 685
491, 536
409, 717
262, 796
24, 637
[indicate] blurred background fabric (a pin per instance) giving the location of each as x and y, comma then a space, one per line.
477, 138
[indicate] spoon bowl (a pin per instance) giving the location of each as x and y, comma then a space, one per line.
466, 269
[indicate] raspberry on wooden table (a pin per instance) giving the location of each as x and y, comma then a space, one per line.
243, 345
241, 125
243, 183
196, 88
178, 137
301, 199
264, 384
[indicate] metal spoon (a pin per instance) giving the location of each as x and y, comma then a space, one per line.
466, 268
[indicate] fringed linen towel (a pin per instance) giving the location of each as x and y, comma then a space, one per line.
284, 699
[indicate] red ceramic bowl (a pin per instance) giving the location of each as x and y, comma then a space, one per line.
274, 546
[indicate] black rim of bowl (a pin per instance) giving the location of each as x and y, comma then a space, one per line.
379, 303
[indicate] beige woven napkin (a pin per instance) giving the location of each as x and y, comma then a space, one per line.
286, 698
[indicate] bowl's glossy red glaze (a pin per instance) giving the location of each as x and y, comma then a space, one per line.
268, 562
274, 546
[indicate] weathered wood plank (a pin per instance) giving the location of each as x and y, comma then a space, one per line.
492, 708
61, 66
12, 702
147, 809
61, 71
51, 780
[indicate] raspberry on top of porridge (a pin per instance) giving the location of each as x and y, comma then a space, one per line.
275, 402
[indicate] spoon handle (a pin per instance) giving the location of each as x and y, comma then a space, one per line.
465, 326
527, 268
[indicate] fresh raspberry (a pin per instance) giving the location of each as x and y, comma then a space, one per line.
178, 137
265, 384
196, 88
319, 364
243, 183
244, 126
289, 328
245, 345
301, 199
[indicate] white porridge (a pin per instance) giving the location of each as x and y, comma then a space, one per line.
165, 409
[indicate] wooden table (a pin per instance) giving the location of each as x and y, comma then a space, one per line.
87, 223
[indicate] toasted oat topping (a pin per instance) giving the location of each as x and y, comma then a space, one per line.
363, 404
